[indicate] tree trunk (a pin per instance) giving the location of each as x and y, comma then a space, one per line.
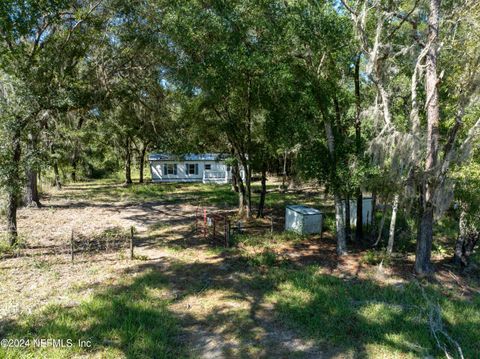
32, 198
348, 227
373, 229
235, 175
339, 215
12, 217
248, 190
382, 223
358, 147
240, 187
459, 257
359, 214
31, 191
284, 174
142, 162
128, 163
425, 228
241, 194
423, 253
263, 193
393, 221
12, 189
56, 181
74, 169
246, 156
340, 226
56, 173
75, 155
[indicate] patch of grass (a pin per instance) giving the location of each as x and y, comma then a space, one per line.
267, 239
374, 257
372, 320
41, 264
128, 321
194, 193
220, 195
289, 236
264, 258
158, 226
6, 250
259, 250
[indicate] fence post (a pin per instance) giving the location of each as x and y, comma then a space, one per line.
131, 242
271, 224
225, 228
71, 246
204, 223
227, 234
196, 220
214, 224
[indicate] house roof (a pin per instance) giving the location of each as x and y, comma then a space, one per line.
186, 157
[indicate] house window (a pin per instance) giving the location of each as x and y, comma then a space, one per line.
192, 168
208, 167
170, 169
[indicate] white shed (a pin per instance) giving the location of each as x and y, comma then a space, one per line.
303, 220
367, 211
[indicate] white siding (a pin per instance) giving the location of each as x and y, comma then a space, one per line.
157, 170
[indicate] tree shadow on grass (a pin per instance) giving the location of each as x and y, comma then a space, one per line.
232, 306
131, 320
285, 311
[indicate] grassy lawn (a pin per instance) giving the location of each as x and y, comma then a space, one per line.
378, 321
195, 193
269, 296
133, 319
129, 320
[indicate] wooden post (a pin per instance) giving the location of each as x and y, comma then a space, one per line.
271, 224
71, 246
204, 223
227, 234
214, 224
225, 230
131, 242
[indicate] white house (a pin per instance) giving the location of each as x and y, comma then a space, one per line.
206, 168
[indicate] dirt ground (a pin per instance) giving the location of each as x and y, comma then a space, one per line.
43, 274
223, 317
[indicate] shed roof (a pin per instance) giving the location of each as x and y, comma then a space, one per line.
303, 209
186, 157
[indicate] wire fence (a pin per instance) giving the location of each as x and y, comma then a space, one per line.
112, 240
222, 227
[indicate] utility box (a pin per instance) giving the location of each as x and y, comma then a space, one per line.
303, 220
367, 211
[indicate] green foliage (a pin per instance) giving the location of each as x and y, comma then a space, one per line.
467, 188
